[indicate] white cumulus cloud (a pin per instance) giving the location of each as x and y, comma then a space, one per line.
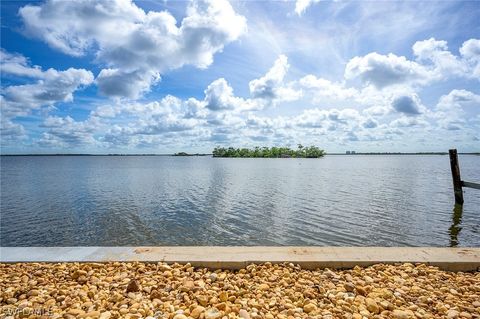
136, 46
385, 70
443, 62
433, 62
49, 87
267, 87
302, 5
219, 96
470, 51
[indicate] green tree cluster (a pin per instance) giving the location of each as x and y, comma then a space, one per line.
273, 152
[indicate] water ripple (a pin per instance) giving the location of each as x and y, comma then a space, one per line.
337, 200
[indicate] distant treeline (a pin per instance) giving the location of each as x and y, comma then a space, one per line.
275, 152
188, 154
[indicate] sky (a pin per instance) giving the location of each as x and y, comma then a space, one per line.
161, 77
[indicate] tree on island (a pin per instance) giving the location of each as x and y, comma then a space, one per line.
270, 152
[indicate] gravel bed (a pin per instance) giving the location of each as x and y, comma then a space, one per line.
285, 291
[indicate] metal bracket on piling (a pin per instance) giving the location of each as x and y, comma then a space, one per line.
471, 185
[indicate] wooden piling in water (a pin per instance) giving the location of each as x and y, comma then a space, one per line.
457, 181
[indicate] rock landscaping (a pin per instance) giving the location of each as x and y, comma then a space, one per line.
285, 291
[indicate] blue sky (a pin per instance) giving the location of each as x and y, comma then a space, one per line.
168, 76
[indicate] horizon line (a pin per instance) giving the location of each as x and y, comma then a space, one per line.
207, 154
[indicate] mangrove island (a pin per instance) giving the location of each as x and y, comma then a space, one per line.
270, 152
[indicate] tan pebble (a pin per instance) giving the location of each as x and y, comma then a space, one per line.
105, 315
93, 314
365, 313
163, 267
187, 285
243, 314
82, 279
400, 314
203, 300
368, 279
263, 287
386, 305
133, 310
223, 296
357, 316
289, 306
197, 311
33, 292
79, 273
180, 316
452, 314
212, 313
309, 307
76, 312
465, 314
372, 305
386, 294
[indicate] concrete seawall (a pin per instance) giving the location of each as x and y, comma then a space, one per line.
453, 259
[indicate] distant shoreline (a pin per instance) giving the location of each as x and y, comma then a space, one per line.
193, 155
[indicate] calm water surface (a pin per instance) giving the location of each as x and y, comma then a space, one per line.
337, 200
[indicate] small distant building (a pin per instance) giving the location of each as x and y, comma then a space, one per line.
352, 152
347, 152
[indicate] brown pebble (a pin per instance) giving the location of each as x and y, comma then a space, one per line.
133, 286
349, 287
361, 290
155, 294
